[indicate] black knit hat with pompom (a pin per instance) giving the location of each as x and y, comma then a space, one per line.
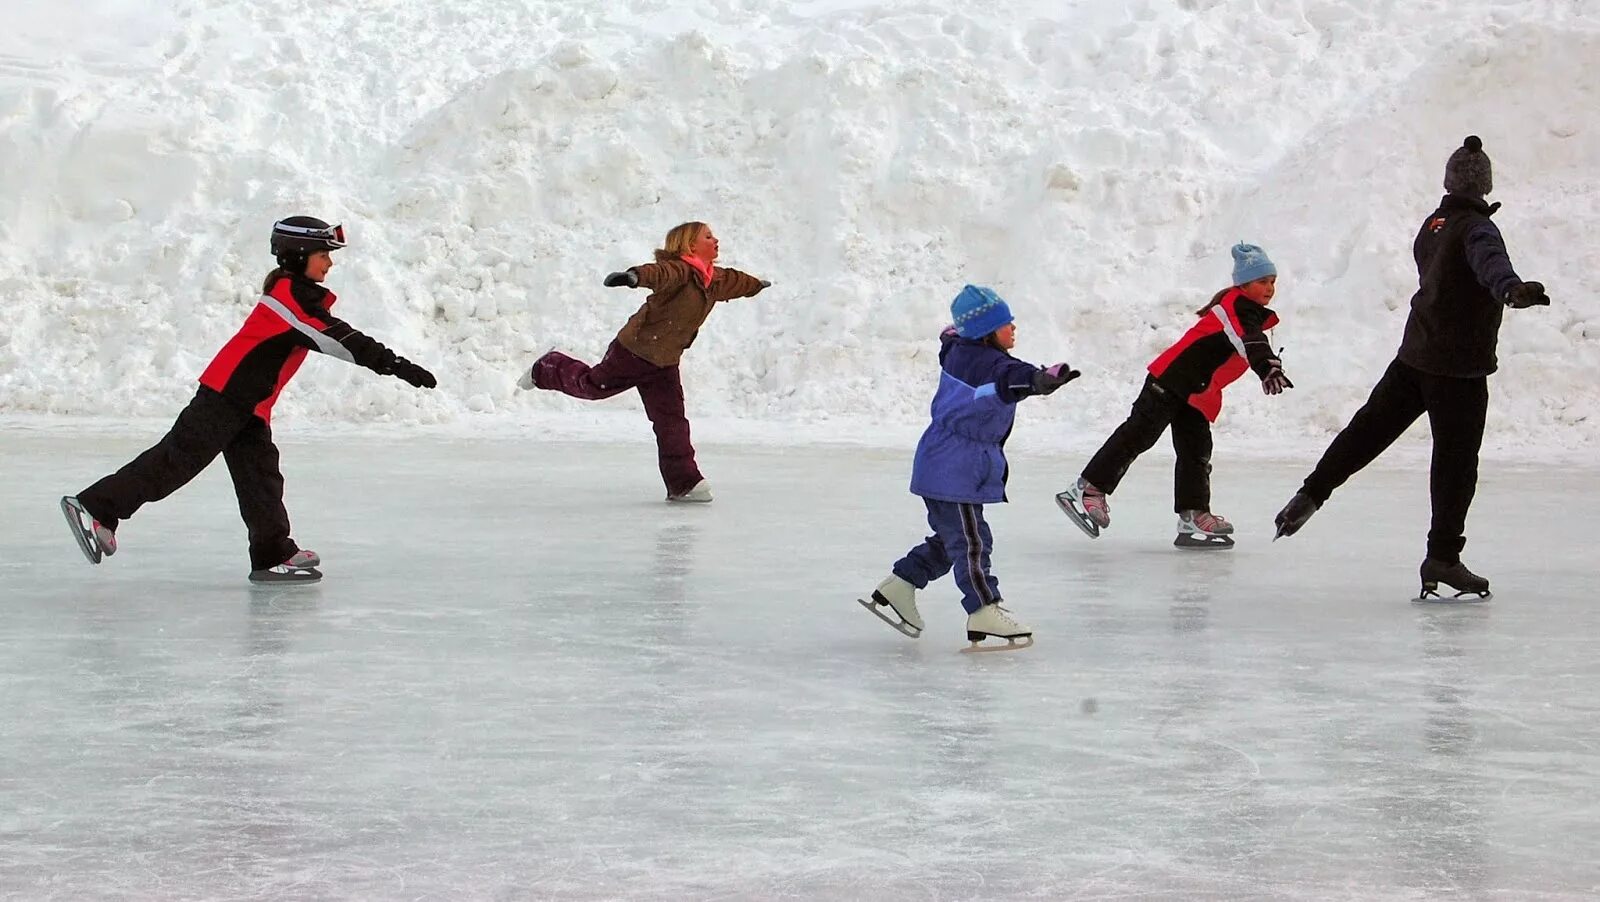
1467, 171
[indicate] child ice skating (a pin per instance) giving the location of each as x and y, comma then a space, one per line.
232, 410
1442, 369
684, 286
1183, 390
960, 466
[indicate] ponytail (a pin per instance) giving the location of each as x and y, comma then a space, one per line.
272, 279
1215, 300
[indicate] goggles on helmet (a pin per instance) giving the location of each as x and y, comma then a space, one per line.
333, 235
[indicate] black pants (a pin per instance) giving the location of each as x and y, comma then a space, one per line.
1456, 408
1153, 411
209, 426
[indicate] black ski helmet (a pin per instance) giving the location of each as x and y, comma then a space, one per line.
297, 237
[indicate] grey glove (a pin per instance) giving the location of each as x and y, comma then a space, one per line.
1274, 382
625, 279
1053, 377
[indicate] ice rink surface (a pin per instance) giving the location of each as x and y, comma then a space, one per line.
527, 677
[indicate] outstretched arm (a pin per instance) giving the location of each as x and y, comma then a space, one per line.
1486, 254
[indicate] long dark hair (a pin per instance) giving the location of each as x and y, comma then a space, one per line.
273, 277
1215, 300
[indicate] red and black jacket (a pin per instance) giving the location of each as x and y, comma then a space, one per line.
290, 319
1229, 338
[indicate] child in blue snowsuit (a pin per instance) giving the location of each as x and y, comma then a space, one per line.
960, 466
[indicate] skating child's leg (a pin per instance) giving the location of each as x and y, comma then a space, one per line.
252, 460
1395, 403
662, 395
1456, 412
967, 540
200, 433
617, 372
1191, 442
930, 560
1150, 415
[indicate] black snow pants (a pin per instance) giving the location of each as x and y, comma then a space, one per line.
1456, 407
1153, 411
209, 426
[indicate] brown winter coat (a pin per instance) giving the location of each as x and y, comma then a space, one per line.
671, 316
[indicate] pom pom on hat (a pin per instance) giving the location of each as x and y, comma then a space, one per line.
1468, 171
977, 312
1250, 263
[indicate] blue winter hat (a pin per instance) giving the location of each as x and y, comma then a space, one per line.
1251, 263
977, 312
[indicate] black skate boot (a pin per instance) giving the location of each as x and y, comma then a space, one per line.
1456, 576
1295, 514
301, 568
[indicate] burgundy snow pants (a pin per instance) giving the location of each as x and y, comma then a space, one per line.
660, 388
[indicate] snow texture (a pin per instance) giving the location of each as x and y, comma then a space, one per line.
1091, 160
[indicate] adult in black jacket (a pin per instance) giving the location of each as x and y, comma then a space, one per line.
1448, 351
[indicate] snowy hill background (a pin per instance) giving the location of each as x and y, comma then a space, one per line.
1091, 160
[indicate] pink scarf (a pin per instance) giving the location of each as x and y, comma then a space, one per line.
700, 266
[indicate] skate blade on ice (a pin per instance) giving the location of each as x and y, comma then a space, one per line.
977, 647
75, 514
1070, 508
900, 625
1432, 596
1201, 541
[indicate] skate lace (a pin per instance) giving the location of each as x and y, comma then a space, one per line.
1209, 522
1004, 616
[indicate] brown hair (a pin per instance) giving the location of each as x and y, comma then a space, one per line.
272, 278
1215, 300
680, 241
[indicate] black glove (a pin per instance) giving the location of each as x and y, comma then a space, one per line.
764, 283
1053, 377
1274, 382
625, 279
409, 372
1528, 294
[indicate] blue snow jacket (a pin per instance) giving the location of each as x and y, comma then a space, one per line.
961, 456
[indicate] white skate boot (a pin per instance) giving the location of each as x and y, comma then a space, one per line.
95, 541
1203, 529
993, 621
1087, 506
900, 597
700, 494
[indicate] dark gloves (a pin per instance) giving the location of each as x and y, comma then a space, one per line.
764, 283
1053, 377
625, 279
1274, 382
413, 374
1528, 294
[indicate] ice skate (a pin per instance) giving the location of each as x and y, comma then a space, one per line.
1203, 529
293, 571
526, 381
1456, 576
900, 597
95, 541
700, 494
1087, 506
994, 622
1294, 515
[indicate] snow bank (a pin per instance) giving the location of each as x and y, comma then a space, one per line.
1093, 161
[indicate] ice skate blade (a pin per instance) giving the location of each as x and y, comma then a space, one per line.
87, 543
1070, 508
1432, 596
309, 576
976, 646
901, 626
1202, 542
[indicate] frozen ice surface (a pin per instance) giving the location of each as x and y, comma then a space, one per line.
525, 676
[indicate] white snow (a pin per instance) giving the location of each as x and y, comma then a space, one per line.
1092, 160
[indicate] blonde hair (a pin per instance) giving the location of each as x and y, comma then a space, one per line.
680, 241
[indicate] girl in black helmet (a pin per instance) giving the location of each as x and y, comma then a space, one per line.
231, 412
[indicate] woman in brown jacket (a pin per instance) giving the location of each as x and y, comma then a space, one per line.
684, 286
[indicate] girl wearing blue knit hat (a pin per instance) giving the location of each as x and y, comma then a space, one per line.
960, 466
1183, 390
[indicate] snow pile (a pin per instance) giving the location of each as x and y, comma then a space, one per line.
1091, 160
